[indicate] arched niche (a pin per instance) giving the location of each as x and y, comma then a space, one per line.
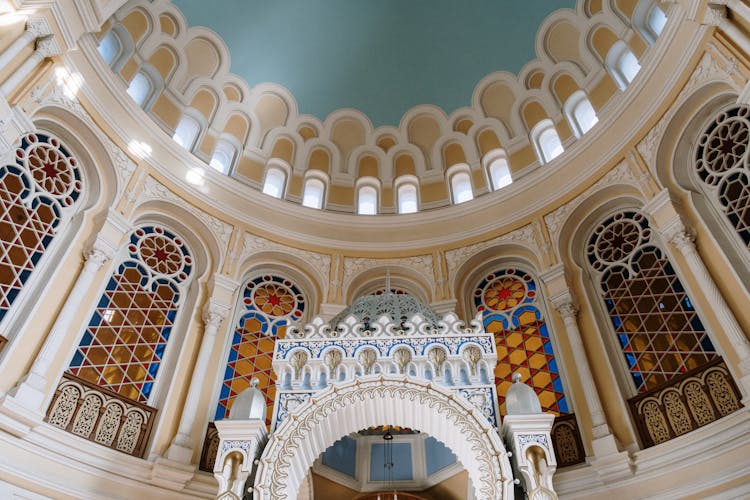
371, 401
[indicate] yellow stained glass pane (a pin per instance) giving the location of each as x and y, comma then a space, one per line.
143, 353
97, 356
120, 354
246, 350
263, 362
513, 339
239, 384
541, 379
502, 370
266, 344
538, 361
130, 391
244, 367
547, 399
252, 325
113, 374
494, 327
89, 374
526, 317
136, 373
517, 357
533, 343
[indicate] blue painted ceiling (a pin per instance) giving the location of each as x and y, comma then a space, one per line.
382, 57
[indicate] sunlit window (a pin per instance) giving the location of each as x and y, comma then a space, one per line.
187, 131
461, 187
500, 173
656, 20
313, 195
110, 47
407, 199
622, 64
546, 141
367, 201
140, 89
223, 157
274, 183
580, 113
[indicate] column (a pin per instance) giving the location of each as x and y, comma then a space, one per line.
683, 239
26, 403
45, 47
36, 27
214, 312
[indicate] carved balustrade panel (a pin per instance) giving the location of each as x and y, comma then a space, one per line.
687, 402
566, 439
100, 415
210, 449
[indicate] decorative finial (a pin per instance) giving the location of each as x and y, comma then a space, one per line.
254, 382
517, 378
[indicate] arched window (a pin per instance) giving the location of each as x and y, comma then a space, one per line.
655, 323
408, 202
723, 171
267, 305
275, 182
187, 131
223, 156
145, 86
461, 187
622, 64
314, 193
649, 20
546, 141
510, 303
124, 343
110, 47
37, 192
500, 173
580, 113
367, 200
656, 20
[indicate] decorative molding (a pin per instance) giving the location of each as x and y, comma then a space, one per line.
622, 173
154, 190
319, 262
354, 266
526, 235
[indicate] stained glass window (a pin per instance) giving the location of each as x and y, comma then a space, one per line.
267, 305
657, 327
509, 302
722, 165
125, 340
36, 192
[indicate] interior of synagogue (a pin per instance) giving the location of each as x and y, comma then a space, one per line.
375, 250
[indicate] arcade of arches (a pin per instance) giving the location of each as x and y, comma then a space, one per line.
177, 243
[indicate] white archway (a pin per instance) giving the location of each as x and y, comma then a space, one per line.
378, 400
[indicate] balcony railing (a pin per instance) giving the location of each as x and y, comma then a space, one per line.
687, 402
101, 415
566, 439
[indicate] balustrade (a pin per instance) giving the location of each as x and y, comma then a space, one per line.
687, 402
101, 415
566, 440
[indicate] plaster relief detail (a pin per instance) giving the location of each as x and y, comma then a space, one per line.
422, 264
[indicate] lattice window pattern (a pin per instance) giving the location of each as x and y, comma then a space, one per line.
658, 329
268, 304
127, 335
722, 165
509, 302
37, 193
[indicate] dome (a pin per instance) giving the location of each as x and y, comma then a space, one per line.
249, 405
521, 399
397, 306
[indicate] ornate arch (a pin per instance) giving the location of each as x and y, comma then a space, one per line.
369, 401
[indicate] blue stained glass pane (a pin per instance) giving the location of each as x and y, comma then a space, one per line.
696, 323
610, 304
165, 332
228, 372
159, 351
638, 378
623, 338
706, 344
103, 302
232, 354
616, 321
552, 366
219, 413
543, 331
147, 389
86, 339
96, 319
12, 294
557, 385
171, 315
224, 394
77, 359
548, 348
687, 303
153, 368
630, 359
562, 405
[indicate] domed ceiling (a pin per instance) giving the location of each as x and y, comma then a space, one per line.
382, 57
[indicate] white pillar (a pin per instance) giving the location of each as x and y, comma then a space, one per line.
26, 402
240, 443
214, 312
45, 47
529, 439
36, 27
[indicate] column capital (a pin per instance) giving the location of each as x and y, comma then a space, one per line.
214, 313
38, 26
99, 252
47, 47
